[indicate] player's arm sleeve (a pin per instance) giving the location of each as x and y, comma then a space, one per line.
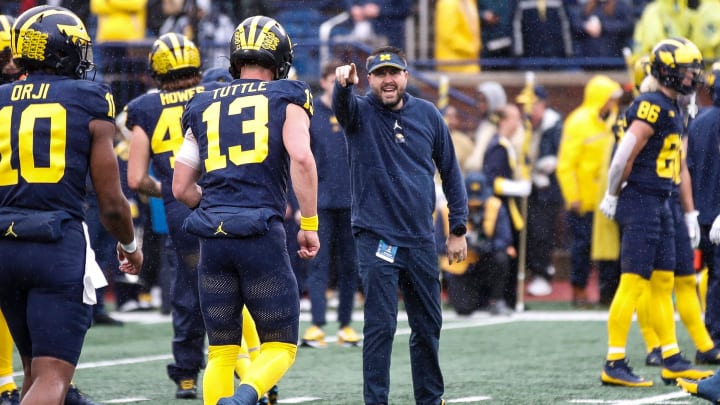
189, 153
619, 162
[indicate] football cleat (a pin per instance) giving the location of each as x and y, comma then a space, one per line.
676, 366
104, 318
707, 389
711, 356
10, 397
618, 372
272, 395
243, 395
76, 397
347, 336
186, 388
654, 358
314, 337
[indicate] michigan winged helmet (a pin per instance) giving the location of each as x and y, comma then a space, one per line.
671, 58
262, 41
52, 37
173, 55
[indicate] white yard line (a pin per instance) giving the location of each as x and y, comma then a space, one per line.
656, 399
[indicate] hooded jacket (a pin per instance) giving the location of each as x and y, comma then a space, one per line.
585, 140
393, 159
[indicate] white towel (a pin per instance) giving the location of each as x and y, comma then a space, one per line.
94, 277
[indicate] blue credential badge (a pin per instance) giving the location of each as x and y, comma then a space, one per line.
386, 252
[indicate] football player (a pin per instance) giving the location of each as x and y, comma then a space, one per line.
687, 238
242, 144
648, 161
42, 196
8, 389
155, 121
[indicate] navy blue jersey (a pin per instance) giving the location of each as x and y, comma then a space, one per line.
45, 141
159, 114
657, 166
329, 147
239, 131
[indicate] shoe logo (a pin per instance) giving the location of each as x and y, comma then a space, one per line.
219, 229
187, 384
10, 231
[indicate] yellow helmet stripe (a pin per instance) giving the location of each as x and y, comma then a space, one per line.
252, 39
4, 23
176, 46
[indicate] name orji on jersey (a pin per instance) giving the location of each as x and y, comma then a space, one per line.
28, 91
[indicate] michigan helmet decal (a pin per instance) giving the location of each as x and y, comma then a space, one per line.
52, 37
173, 54
263, 41
671, 59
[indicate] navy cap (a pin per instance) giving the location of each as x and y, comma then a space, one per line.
477, 188
386, 59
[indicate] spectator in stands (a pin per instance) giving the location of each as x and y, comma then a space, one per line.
240, 10
183, 17
123, 22
661, 19
542, 28
586, 138
9, 7
496, 28
500, 165
545, 201
463, 143
491, 99
386, 18
118, 24
457, 36
706, 29
601, 27
473, 284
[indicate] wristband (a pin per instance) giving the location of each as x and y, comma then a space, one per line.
130, 247
309, 223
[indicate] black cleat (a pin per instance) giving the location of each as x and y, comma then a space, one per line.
654, 358
75, 397
187, 388
106, 320
10, 397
